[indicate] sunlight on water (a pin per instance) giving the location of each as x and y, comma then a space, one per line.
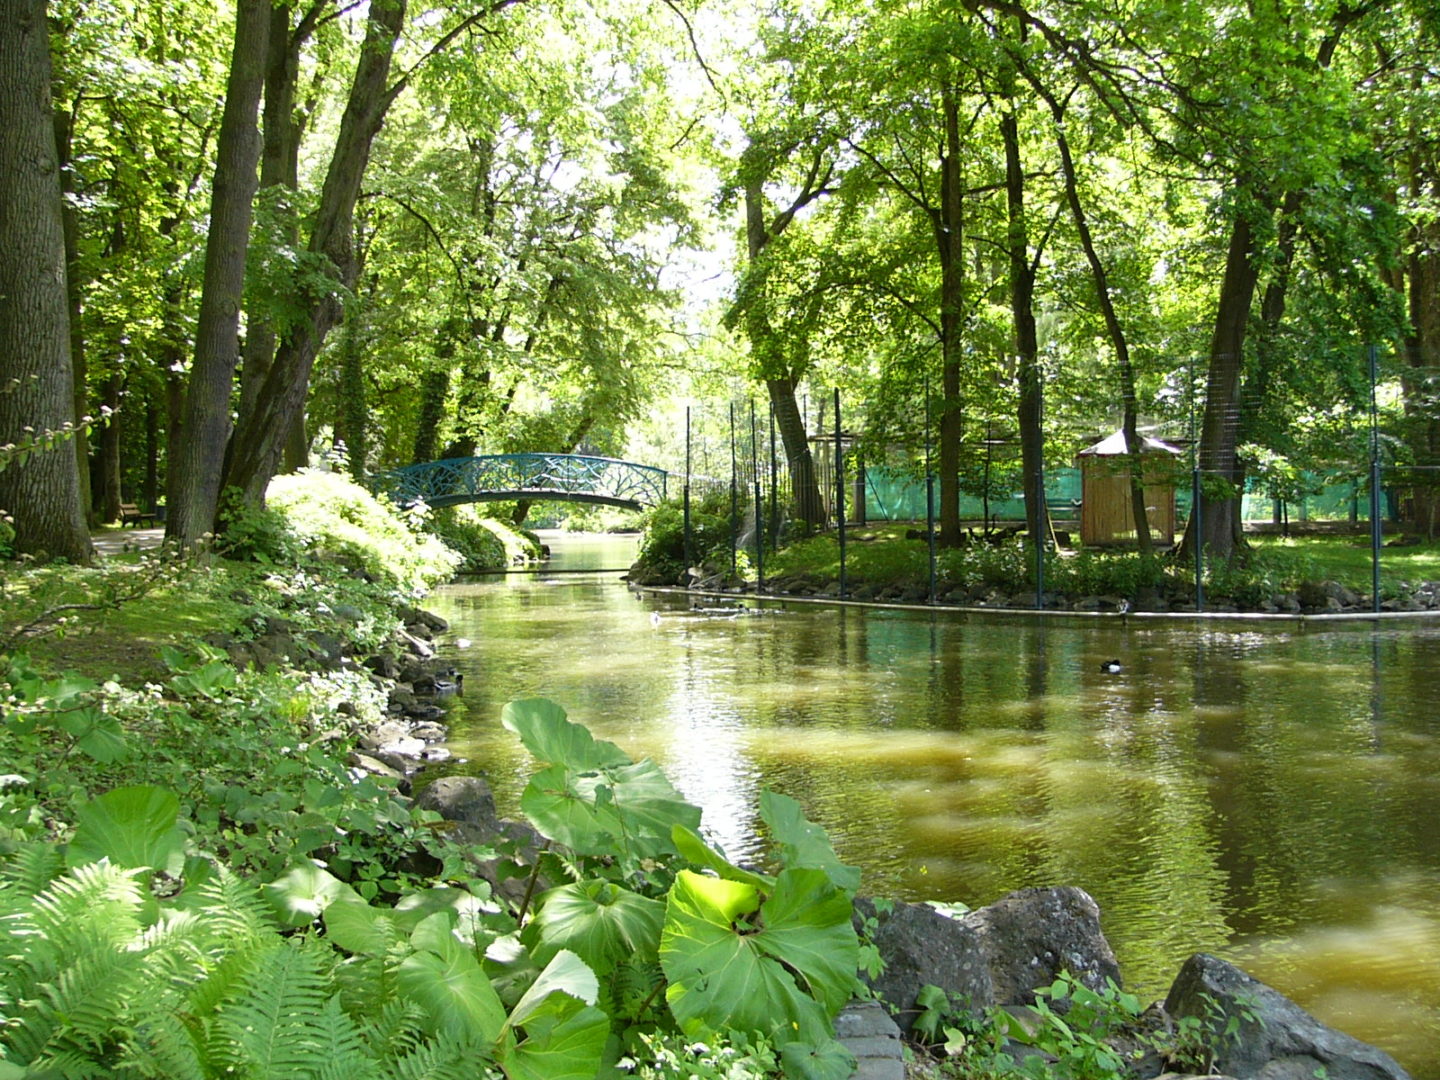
1271, 798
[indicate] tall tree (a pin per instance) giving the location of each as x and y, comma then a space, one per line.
39, 478
196, 470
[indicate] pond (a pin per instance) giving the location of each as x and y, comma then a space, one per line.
1267, 793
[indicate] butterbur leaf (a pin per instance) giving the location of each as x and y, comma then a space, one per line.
550, 737
824, 1060
564, 1040
565, 974
357, 927
692, 847
735, 959
625, 809
802, 843
132, 827
302, 893
454, 994
603, 923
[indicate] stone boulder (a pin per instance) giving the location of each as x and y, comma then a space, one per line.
468, 801
997, 955
1277, 1040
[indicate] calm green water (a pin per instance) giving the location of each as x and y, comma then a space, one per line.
1272, 796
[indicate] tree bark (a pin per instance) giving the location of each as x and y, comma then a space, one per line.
110, 494
260, 440
1219, 502
1421, 380
434, 390
42, 491
69, 217
1027, 349
197, 469
767, 351
947, 220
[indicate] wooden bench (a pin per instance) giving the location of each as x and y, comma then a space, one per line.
130, 514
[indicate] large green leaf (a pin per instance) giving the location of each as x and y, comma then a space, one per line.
626, 810
450, 986
598, 920
131, 826
357, 927
693, 848
566, 974
802, 843
564, 1040
302, 893
551, 738
826, 1060
736, 959
98, 736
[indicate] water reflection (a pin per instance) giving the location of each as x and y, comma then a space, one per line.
1268, 796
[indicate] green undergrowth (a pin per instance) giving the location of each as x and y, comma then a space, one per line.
483, 543
884, 557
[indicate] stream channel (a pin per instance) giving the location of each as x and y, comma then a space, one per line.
1266, 792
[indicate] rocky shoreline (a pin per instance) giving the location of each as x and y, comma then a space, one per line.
411, 734
1311, 598
999, 956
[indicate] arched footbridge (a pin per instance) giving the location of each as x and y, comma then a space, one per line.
532, 477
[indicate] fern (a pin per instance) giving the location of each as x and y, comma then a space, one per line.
395, 1029
274, 1017
29, 871
339, 1045
232, 906
443, 1058
97, 899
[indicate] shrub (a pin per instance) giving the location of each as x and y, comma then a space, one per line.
335, 519
482, 543
1096, 573
662, 551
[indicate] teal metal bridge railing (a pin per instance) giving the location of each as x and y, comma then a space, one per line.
532, 477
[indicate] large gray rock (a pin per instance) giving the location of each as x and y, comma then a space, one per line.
997, 955
1032, 935
464, 799
468, 801
1286, 1043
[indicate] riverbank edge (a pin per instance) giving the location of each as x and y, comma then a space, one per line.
1334, 619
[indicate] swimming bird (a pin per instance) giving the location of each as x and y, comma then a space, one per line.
1110, 667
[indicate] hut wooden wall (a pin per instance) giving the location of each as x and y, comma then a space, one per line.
1105, 516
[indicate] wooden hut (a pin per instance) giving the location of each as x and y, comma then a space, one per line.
1106, 516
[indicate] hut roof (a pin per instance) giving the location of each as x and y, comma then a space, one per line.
1114, 446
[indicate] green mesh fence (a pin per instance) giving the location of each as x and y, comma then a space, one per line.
894, 496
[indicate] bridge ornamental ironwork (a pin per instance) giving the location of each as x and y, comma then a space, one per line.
534, 477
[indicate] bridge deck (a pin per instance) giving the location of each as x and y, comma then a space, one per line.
532, 477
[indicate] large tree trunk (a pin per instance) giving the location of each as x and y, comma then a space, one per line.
948, 225
434, 390
70, 221
39, 489
768, 353
1027, 349
110, 494
1219, 501
804, 485
1421, 381
1129, 422
195, 473
260, 440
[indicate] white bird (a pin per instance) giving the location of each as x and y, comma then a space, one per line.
654, 618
